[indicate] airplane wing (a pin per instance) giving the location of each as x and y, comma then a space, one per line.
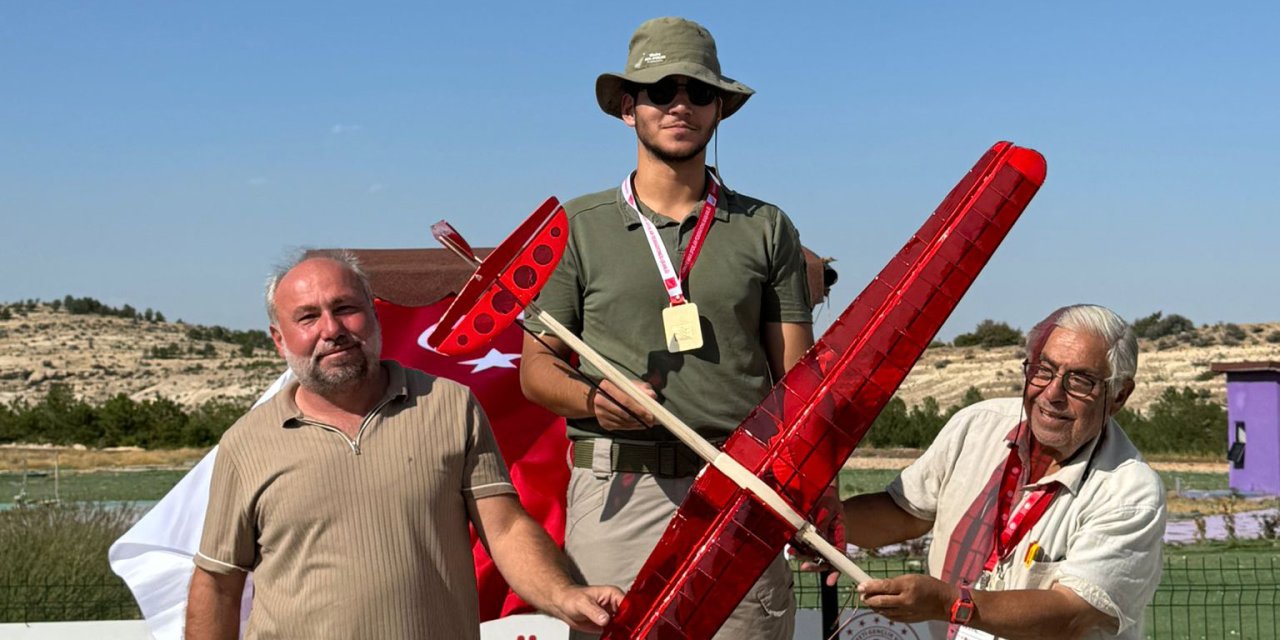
796, 440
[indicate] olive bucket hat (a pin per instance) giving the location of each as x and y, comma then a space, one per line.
668, 47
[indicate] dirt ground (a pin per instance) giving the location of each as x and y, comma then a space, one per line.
14, 458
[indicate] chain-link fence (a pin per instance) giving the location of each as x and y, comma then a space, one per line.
1200, 597
1217, 597
102, 598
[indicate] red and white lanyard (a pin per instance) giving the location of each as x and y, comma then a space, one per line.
670, 279
1012, 528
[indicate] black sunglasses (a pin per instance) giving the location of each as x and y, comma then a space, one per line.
662, 92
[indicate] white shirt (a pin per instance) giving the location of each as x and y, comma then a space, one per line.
1102, 536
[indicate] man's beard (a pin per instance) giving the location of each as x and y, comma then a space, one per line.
673, 158
324, 381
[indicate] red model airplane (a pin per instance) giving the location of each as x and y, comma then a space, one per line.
744, 507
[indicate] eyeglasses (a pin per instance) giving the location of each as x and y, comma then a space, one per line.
1077, 385
662, 92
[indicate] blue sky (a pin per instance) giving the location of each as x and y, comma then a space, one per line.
167, 154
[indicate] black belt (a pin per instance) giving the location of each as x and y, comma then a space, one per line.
662, 459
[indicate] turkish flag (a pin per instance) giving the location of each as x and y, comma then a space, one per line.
532, 439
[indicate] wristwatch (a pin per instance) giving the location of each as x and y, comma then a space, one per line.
962, 608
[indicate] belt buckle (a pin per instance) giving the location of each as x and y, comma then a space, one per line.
668, 463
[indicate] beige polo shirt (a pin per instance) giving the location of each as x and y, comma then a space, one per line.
1102, 535
356, 539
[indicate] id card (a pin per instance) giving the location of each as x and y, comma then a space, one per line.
682, 327
991, 580
969, 633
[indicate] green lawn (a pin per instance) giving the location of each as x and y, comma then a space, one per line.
53, 563
856, 481
73, 486
152, 484
1208, 591
1194, 481
1212, 590
1218, 590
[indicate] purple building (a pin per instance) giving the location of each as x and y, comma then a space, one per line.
1253, 425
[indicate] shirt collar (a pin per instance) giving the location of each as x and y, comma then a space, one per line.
1070, 474
285, 409
631, 220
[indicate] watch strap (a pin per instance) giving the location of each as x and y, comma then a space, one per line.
962, 608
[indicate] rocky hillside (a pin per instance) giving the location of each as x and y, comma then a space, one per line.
1172, 361
101, 356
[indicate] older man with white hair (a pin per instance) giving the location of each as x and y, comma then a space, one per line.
1045, 520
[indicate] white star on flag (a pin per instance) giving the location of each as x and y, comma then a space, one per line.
493, 360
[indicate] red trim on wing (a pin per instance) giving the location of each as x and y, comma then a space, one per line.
505, 282
799, 436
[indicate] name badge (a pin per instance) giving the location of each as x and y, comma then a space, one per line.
969, 633
682, 327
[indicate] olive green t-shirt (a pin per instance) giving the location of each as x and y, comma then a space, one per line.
607, 290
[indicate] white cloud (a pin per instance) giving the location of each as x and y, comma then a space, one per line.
377, 187
256, 182
339, 129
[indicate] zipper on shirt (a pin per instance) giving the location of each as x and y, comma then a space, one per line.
354, 444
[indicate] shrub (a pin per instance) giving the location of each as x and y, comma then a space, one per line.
256, 338
1234, 332
59, 418
82, 306
971, 396
1180, 421
990, 333
167, 352
1157, 325
1198, 340
916, 428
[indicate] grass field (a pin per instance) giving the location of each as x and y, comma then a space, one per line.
15, 458
91, 486
56, 568
855, 481
152, 484
1218, 590
53, 563
1194, 481
1208, 591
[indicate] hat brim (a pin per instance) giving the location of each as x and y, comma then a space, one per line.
610, 86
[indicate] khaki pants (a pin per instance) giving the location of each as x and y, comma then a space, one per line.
613, 522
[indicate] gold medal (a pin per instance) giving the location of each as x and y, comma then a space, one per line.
682, 327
